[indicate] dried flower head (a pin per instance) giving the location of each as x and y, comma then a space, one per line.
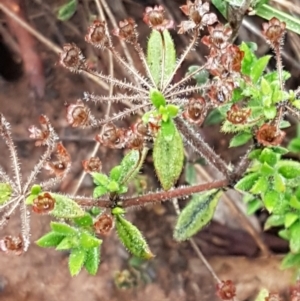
269, 135
60, 167
196, 110
218, 37
42, 135
140, 128
104, 224
232, 58
238, 115
71, 58
226, 290
93, 164
133, 140
126, 31
198, 14
274, 31
221, 91
111, 136
273, 297
78, 115
12, 244
98, 34
155, 18
43, 203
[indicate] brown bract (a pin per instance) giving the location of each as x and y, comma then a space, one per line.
41, 135
232, 58
71, 57
195, 111
78, 115
238, 115
198, 14
98, 34
93, 164
274, 31
155, 18
43, 203
111, 136
226, 290
126, 31
221, 91
12, 244
268, 135
60, 167
218, 37
104, 224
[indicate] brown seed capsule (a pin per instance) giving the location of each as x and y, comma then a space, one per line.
78, 114
92, 165
196, 110
226, 290
155, 18
98, 34
104, 224
12, 244
237, 115
133, 140
43, 203
274, 31
71, 57
268, 135
126, 30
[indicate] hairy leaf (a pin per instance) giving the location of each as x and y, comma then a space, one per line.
5, 192
247, 182
240, 139
274, 220
67, 10
51, 239
76, 261
295, 237
290, 260
258, 68
168, 158
289, 169
92, 260
198, 212
63, 228
87, 240
132, 238
157, 98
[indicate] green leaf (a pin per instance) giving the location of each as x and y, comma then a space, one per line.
201, 77
132, 238
295, 237
63, 229
198, 212
266, 169
86, 240
273, 76
99, 191
100, 179
247, 182
190, 173
157, 98
29, 200
113, 186
76, 261
290, 260
83, 221
274, 220
258, 68
268, 12
92, 260
289, 169
168, 156
118, 211
172, 110
254, 154
51, 239
65, 207
279, 183
168, 130
221, 5
284, 234
294, 145
248, 60
35, 189
66, 11
270, 112
266, 89
294, 202
269, 157
154, 55
240, 139
260, 186
290, 218
115, 173
279, 150
214, 117
262, 295
5, 192
270, 199
67, 243
253, 206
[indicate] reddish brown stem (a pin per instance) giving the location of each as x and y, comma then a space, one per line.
168, 195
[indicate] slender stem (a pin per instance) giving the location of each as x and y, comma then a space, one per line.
141, 54
90, 202
185, 79
243, 165
180, 192
197, 143
186, 90
163, 61
114, 98
294, 111
181, 59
